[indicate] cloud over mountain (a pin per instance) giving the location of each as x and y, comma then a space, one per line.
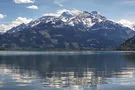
18, 21
59, 12
127, 23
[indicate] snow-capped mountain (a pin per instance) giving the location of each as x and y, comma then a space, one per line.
86, 19
80, 19
65, 16
68, 30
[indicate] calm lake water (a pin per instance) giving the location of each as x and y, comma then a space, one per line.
67, 70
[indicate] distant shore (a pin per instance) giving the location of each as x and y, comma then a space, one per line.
55, 49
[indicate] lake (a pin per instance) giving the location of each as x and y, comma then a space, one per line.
67, 70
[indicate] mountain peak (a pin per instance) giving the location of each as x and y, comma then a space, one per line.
86, 12
95, 12
98, 15
66, 14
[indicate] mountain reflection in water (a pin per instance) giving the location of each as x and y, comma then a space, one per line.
66, 70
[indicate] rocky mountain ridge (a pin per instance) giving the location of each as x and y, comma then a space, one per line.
69, 30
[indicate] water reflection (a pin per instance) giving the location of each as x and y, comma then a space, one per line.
70, 70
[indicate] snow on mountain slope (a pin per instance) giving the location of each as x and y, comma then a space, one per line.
71, 18
87, 19
83, 20
72, 28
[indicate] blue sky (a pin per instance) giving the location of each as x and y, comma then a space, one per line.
32, 9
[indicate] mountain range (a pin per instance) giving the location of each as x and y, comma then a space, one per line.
68, 30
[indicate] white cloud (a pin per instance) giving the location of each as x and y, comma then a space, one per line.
51, 14
129, 2
18, 21
2, 16
127, 23
59, 12
21, 20
32, 7
24, 1
59, 2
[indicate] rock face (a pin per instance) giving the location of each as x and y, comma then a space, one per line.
69, 30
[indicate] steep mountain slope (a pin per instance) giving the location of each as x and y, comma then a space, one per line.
112, 30
69, 30
128, 45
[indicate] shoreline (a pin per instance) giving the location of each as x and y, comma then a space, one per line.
61, 49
